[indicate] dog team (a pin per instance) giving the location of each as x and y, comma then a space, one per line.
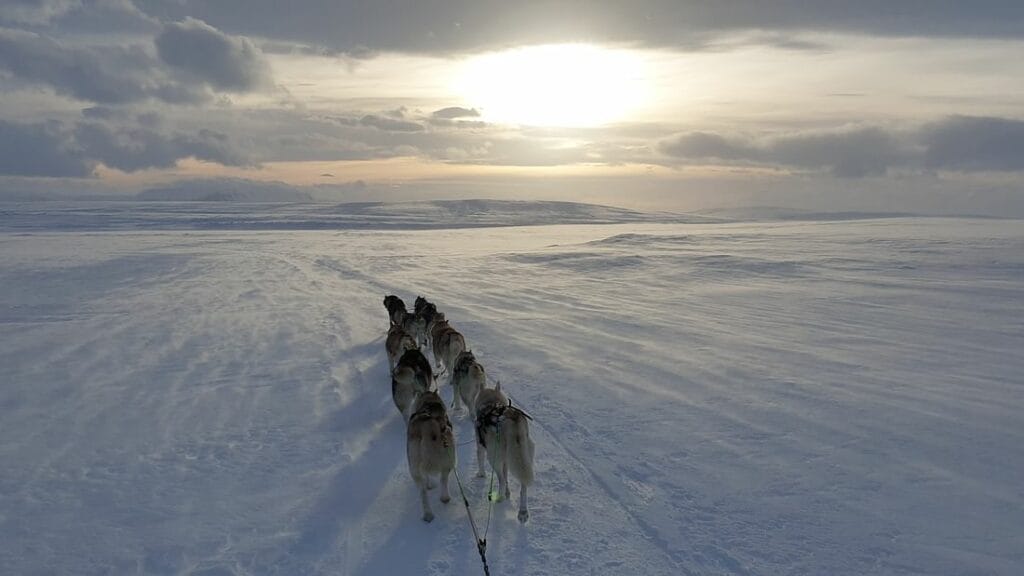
502, 430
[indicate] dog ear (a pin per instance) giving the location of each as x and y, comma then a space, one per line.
497, 385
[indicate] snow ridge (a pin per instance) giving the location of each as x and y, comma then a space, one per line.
249, 213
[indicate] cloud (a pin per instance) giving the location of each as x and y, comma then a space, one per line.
55, 149
452, 112
42, 149
847, 153
361, 28
191, 59
955, 144
35, 12
974, 144
455, 117
109, 18
704, 145
97, 73
133, 148
226, 62
389, 124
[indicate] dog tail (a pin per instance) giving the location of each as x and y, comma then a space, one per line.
520, 448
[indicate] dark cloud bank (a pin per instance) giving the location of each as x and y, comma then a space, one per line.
55, 149
186, 62
359, 27
957, 143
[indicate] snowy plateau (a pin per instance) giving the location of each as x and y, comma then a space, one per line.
201, 388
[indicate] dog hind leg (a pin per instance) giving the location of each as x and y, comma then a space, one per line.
503, 490
456, 396
481, 455
428, 514
446, 496
524, 514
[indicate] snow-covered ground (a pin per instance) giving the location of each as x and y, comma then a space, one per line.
781, 398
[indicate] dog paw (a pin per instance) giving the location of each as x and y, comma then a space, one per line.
481, 474
446, 499
524, 515
428, 516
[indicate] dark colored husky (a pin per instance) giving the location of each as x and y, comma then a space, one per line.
398, 341
420, 304
396, 309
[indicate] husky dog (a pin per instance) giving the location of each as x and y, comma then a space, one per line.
468, 378
397, 343
430, 447
447, 345
416, 327
396, 308
428, 313
420, 304
435, 322
503, 432
411, 376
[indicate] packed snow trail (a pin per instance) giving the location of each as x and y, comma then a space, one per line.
837, 398
221, 405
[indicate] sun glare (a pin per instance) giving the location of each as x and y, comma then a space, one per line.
555, 85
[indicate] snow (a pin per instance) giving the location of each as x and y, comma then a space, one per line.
243, 215
182, 394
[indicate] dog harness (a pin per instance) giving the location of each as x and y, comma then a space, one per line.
493, 416
428, 412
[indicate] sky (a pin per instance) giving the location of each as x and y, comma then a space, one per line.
895, 105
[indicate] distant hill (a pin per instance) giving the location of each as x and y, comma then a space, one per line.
765, 213
477, 212
280, 208
225, 190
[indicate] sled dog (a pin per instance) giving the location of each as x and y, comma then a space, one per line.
430, 447
435, 322
447, 345
420, 304
411, 376
428, 314
503, 433
397, 343
416, 327
396, 308
468, 378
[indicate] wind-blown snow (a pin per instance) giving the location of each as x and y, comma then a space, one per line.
775, 398
242, 215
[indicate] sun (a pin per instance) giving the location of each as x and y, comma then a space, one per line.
571, 85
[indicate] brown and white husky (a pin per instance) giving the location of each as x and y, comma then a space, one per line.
430, 447
503, 433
